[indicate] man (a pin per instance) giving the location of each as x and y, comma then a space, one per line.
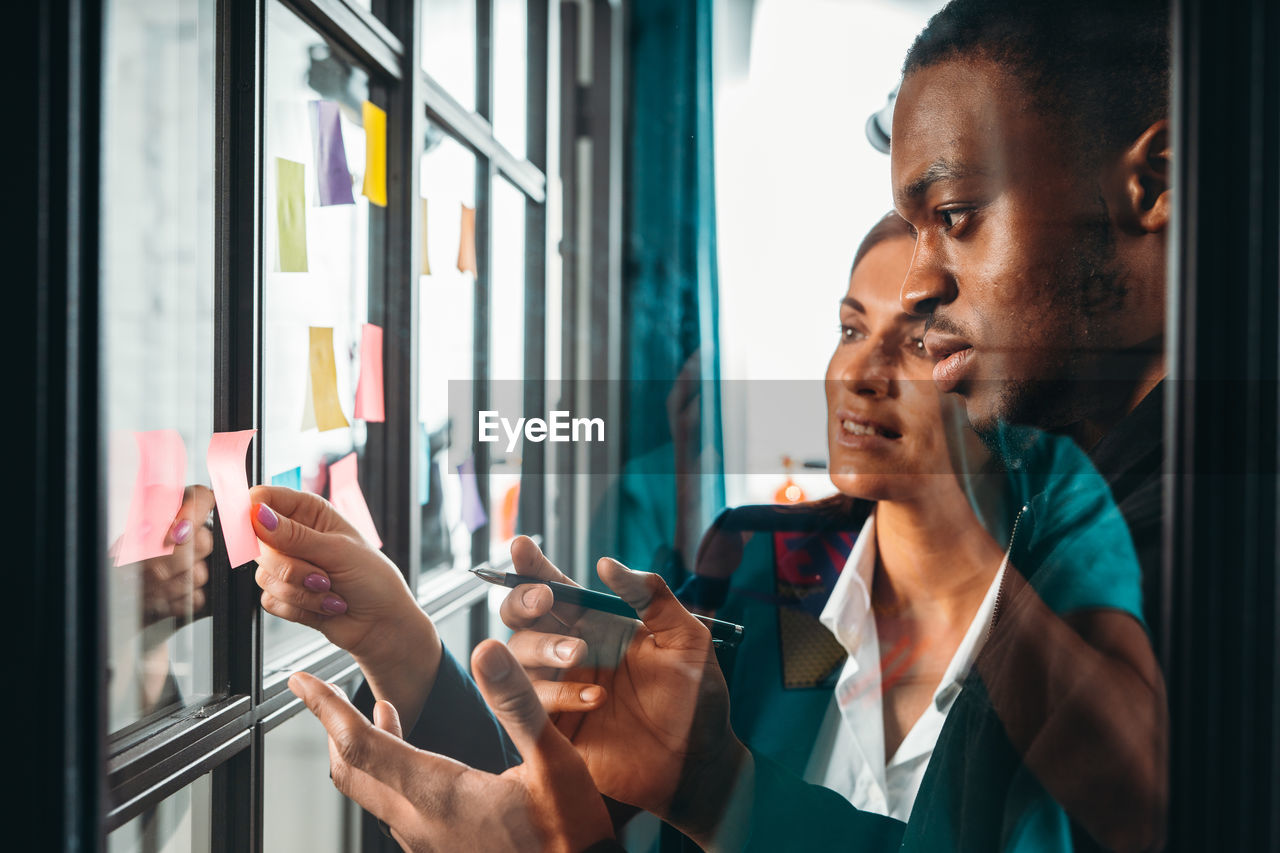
1031, 155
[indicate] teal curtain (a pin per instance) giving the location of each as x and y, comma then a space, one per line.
669, 483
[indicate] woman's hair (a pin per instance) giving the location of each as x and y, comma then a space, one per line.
891, 225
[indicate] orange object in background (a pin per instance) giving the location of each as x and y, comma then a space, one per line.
507, 515
789, 492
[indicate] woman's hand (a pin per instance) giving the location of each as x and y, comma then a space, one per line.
173, 585
317, 570
644, 702
435, 803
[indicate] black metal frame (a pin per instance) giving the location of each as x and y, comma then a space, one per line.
224, 735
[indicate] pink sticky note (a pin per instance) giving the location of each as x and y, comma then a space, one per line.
369, 390
473, 514
157, 496
226, 460
345, 494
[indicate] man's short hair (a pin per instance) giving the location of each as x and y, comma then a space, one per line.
1102, 66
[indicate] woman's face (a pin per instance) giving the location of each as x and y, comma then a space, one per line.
884, 414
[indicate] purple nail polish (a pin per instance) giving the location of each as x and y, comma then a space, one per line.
316, 582
266, 517
333, 604
182, 532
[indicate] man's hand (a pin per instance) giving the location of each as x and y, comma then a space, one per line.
644, 702
435, 803
317, 570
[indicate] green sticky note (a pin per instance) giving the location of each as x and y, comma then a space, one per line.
291, 215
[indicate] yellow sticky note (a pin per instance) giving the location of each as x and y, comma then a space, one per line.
467, 242
291, 215
375, 155
426, 260
326, 413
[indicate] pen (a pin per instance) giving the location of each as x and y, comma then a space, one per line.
722, 633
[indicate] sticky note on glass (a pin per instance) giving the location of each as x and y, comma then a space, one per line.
467, 242
291, 215
157, 496
321, 408
333, 178
226, 460
369, 399
375, 154
426, 260
345, 495
473, 514
291, 479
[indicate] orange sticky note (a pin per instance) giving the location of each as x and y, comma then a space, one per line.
345, 495
375, 154
369, 402
467, 242
226, 460
321, 409
157, 496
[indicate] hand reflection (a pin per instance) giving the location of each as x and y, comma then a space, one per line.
173, 586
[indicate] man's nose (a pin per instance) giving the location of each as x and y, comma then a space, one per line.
928, 285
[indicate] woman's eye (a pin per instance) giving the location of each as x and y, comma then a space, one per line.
916, 346
849, 333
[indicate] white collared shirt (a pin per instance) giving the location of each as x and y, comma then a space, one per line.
848, 755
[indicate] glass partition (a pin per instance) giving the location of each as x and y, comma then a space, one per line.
157, 347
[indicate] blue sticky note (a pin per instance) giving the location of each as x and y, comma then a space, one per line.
291, 479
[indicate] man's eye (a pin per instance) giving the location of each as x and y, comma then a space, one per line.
952, 218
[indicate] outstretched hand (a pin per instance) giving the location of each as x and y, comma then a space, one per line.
621, 689
432, 802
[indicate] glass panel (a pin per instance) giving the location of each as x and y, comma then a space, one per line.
449, 47
506, 357
157, 346
332, 293
446, 353
179, 824
455, 634
301, 810
510, 74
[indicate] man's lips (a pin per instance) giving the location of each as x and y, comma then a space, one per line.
952, 357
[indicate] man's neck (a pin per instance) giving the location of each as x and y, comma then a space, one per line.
1115, 407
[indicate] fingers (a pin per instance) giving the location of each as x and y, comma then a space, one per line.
298, 584
657, 606
529, 606
529, 560
387, 718
516, 705
537, 649
292, 612
314, 538
561, 697
370, 765
197, 503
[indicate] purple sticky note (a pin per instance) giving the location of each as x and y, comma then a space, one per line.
473, 514
157, 496
330, 154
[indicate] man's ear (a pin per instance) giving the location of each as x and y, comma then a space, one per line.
1146, 172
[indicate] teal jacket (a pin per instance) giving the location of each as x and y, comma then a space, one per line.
771, 569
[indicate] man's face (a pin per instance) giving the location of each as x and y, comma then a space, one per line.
1014, 258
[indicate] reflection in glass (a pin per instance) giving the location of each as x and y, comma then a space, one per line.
449, 47
179, 824
157, 337
506, 355
446, 317
301, 810
333, 292
510, 74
